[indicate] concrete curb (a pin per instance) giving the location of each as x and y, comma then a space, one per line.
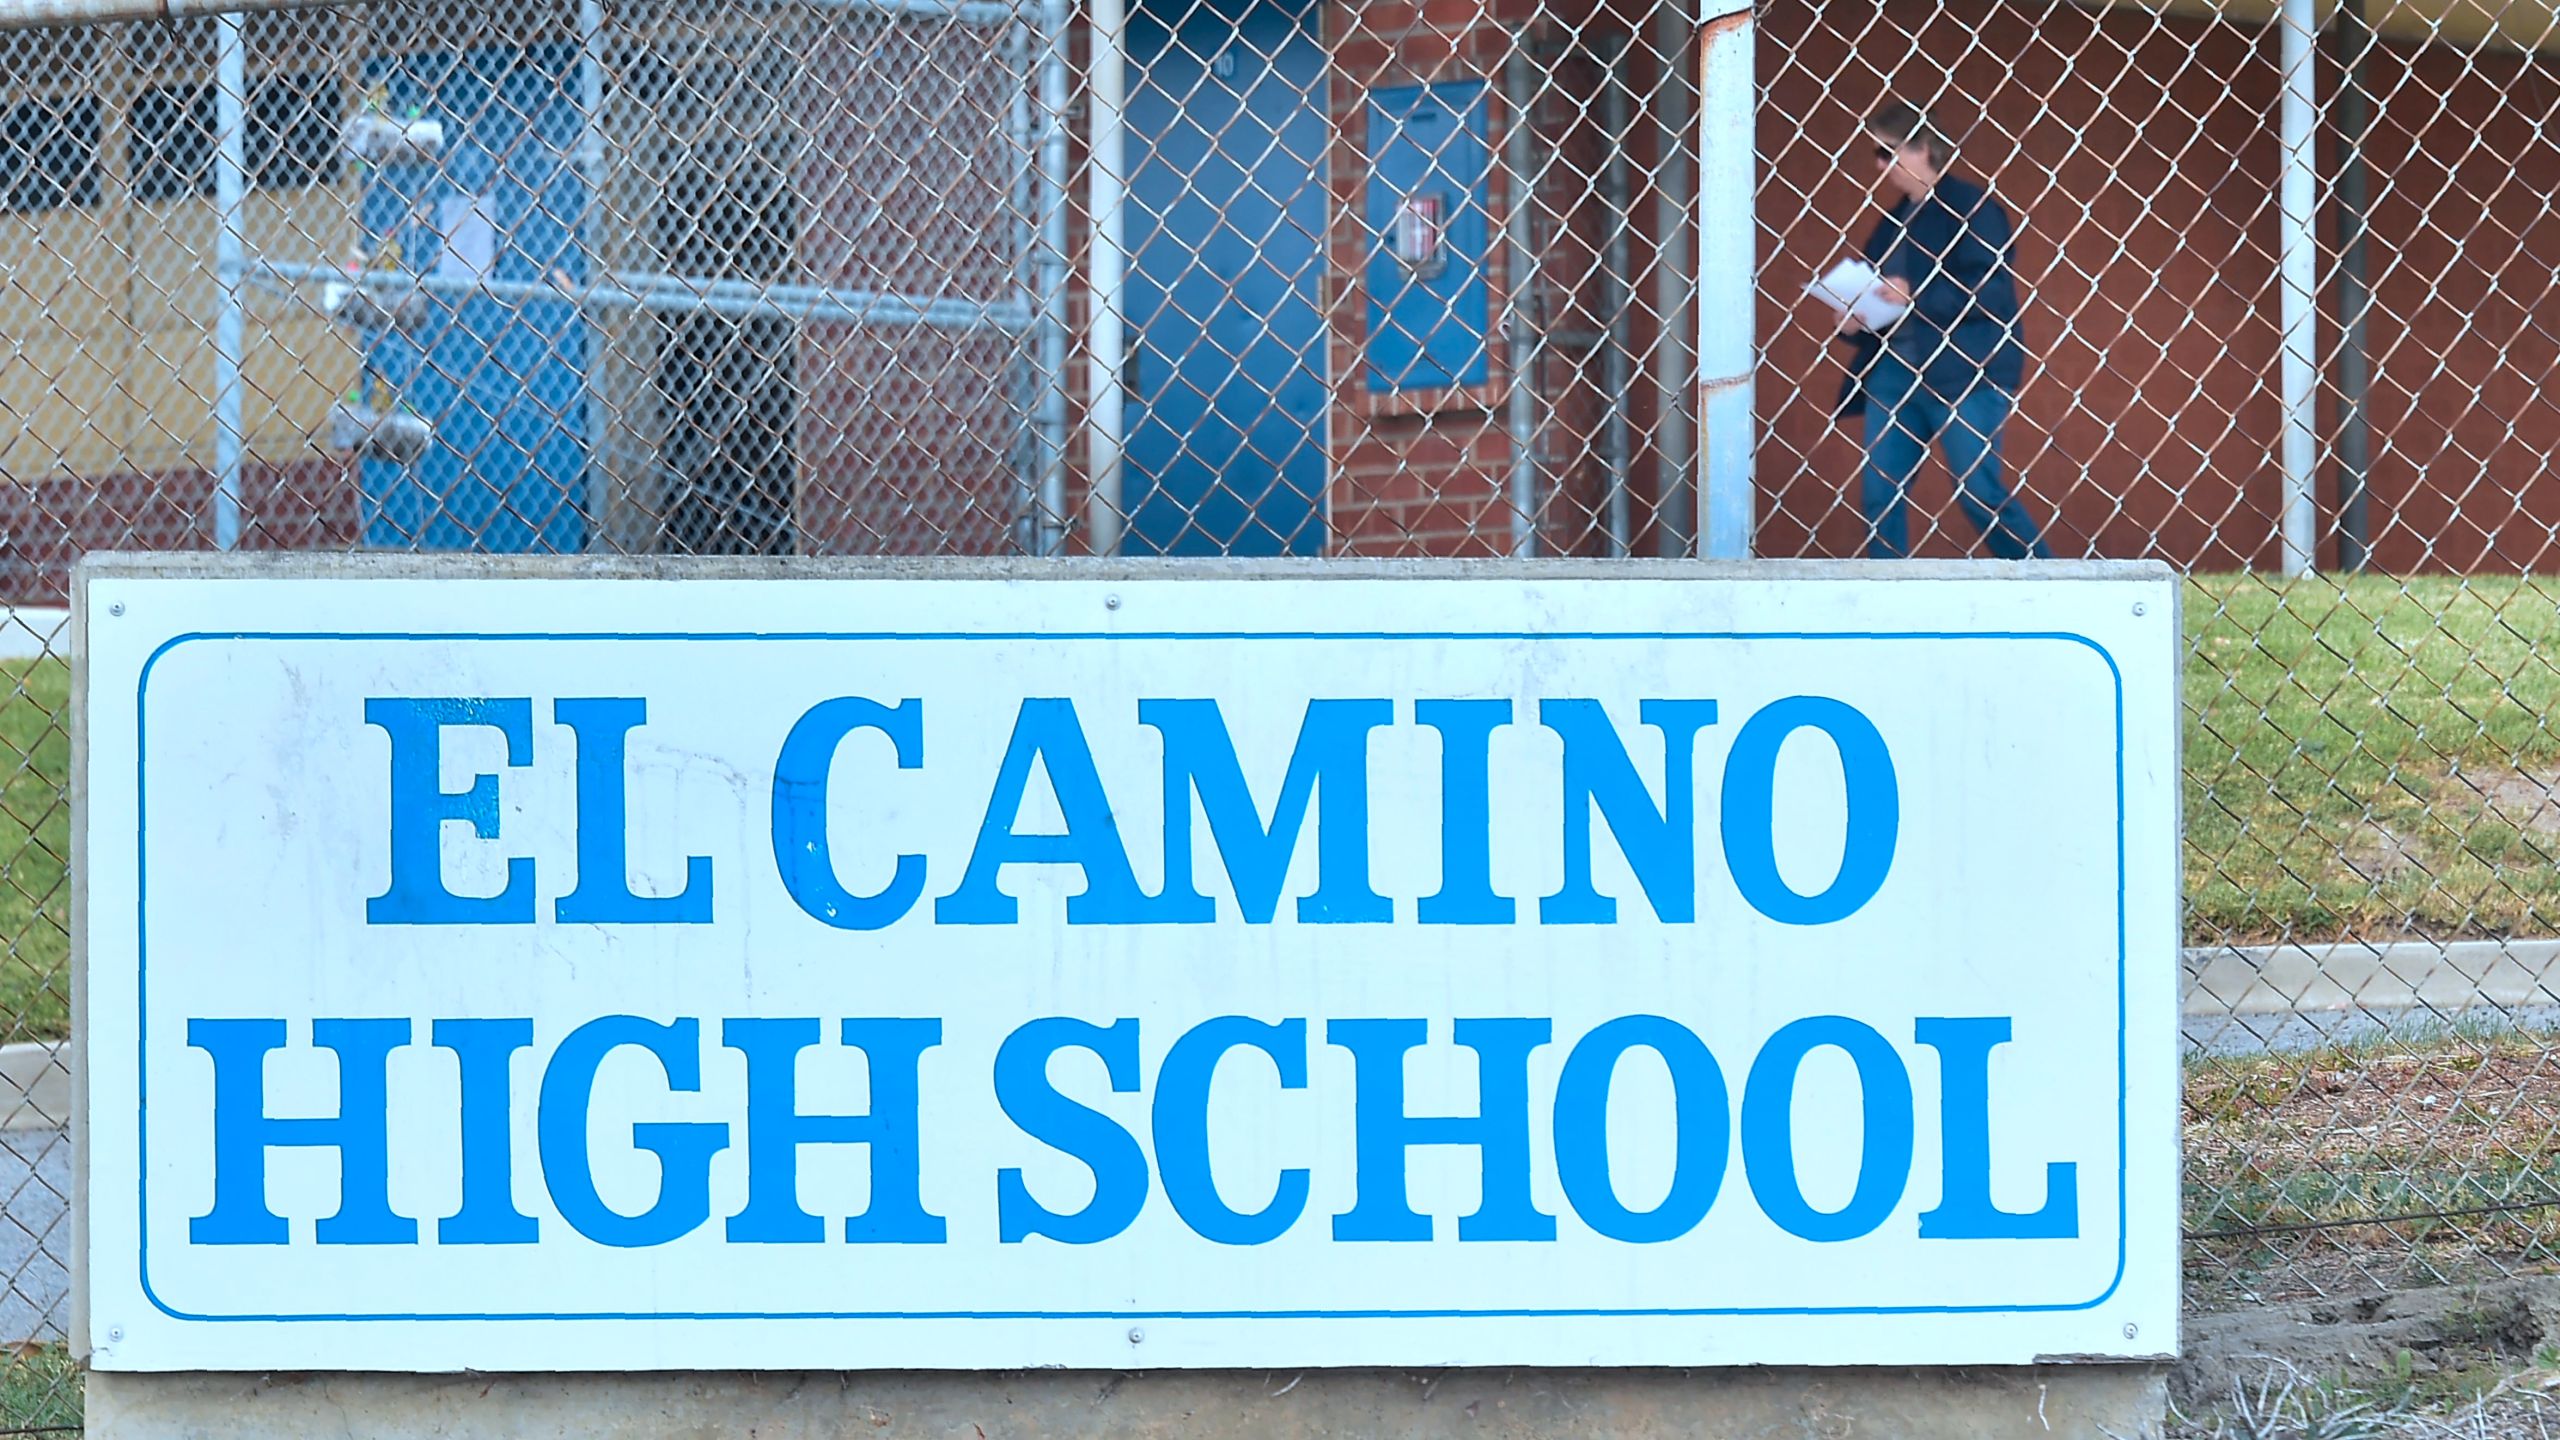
2352, 975
31, 632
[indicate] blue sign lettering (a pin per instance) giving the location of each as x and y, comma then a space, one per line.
1328, 777
1181, 1132
421, 807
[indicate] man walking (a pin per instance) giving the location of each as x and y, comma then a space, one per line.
1948, 370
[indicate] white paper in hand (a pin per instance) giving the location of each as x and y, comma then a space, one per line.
1854, 288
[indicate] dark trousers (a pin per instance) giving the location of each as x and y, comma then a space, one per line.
1903, 419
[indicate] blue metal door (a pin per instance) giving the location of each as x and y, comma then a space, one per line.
1225, 445
499, 373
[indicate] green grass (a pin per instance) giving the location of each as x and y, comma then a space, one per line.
2370, 759
40, 1390
35, 851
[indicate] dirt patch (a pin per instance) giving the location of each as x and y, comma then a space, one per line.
2528, 799
2366, 1169
2453, 1103
2411, 1340
2376, 852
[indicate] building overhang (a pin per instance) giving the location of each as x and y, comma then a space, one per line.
2527, 25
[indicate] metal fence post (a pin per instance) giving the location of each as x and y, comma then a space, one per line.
230, 265
1728, 273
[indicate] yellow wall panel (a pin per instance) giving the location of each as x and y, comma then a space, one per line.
291, 375
62, 273
65, 404
173, 398
173, 244
106, 335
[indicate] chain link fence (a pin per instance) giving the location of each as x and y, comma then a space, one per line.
1397, 277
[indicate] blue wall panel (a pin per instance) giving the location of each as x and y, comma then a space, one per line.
503, 383
1428, 330
1226, 224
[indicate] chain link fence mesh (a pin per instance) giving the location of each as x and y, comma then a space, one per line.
1387, 277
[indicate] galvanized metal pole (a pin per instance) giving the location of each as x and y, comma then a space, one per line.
2298, 250
1728, 264
591, 172
1520, 326
1675, 362
2355, 289
1021, 48
1617, 363
692, 295
1107, 334
1050, 277
230, 266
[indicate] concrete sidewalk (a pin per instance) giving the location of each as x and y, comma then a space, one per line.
30, 632
35, 1192
2290, 979
2286, 998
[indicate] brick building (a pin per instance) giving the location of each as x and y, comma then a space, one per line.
823, 278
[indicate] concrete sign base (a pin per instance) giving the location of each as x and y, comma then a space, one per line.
2080, 1402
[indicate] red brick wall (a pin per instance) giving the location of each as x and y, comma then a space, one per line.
47, 524
2141, 158
908, 442
909, 436
2466, 323
1430, 482
2137, 158
1431, 475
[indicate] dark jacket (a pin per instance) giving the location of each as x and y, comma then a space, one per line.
1957, 253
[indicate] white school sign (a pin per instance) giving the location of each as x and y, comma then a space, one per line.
578, 970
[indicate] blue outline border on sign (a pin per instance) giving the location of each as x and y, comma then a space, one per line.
142, 970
